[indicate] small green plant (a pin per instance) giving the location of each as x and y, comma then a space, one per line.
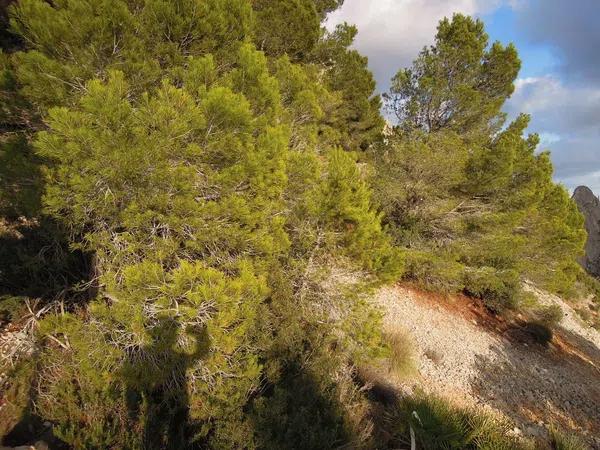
549, 315
440, 424
543, 320
561, 440
585, 314
11, 308
539, 332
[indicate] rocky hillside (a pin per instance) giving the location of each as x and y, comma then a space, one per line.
589, 205
464, 353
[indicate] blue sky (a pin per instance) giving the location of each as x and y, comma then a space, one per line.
537, 59
558, 42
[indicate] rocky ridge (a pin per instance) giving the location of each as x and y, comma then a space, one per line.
589, 205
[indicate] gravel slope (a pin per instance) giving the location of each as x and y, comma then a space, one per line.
465, 354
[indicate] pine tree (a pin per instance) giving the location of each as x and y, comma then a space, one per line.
199, 172
357, 118
466, 193
178, 195
459, 83
143, 41
287, 27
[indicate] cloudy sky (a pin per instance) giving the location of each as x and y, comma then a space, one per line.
558, 41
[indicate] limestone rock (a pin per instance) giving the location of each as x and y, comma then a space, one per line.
589, 205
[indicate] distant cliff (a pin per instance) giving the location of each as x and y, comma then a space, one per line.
589, 205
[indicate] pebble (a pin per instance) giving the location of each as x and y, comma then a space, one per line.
481, 367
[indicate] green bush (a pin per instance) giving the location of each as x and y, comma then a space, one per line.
11, 308
561, 440
433, 272
499, 289
549, 315
298, 413
468, 186
539, 332
15, 412
591, 286
205, 154
541, 322
439, 424
194, 165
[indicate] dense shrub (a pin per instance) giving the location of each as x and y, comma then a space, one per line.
460, 184
437, 423
549, 315
196, 153
194, 179
541, 321
434, 273
499, 289
538, 332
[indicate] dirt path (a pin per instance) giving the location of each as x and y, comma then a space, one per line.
465, 353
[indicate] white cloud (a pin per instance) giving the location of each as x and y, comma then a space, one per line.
557, 107
547, 139
569, 29
392, 32
591, 180
567, 117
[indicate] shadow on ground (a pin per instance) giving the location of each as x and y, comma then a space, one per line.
537, 385
298, 411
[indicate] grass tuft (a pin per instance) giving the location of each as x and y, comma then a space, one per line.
440, 424
402, 359
561, 440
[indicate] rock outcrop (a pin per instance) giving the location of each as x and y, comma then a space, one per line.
589, 205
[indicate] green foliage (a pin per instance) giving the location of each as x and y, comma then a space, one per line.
152, 214
7, 40
438, 423
539, 332
459, 83
16, 395
79, 392
541, 321
175, 177
296, 415
36, 261
134, 364
565, 441
498, 289
20, 178
416, 183
344, 203
202, 165
355, 121
591, 286
548, 315
472, 199
287, 27
11, 308
117, 35
15, 112
205, 178
434, 273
